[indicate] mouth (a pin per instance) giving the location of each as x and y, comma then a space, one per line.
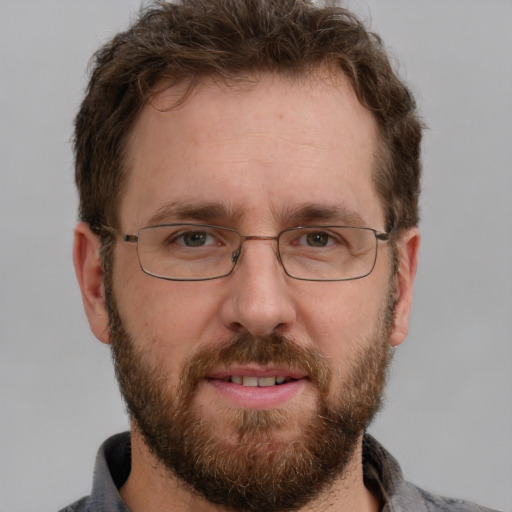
253, 387
260, 382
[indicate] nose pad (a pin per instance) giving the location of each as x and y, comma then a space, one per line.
236, 255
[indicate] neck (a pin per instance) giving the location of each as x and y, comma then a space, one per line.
150, 486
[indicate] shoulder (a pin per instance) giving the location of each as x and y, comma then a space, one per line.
382, 471
435, 503
111, 469
78, 506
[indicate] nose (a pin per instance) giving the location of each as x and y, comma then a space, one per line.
258, 299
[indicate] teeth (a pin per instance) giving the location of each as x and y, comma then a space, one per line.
250, 381
261, 382
266, 381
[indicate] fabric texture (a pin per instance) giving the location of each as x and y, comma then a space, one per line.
381, 471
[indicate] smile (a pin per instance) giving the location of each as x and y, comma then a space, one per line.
256, 387
261, 382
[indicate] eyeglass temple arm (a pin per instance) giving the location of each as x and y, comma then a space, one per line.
382, 236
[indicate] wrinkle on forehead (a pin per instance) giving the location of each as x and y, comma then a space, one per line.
241, 147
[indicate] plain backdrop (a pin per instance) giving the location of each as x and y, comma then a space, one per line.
448, 414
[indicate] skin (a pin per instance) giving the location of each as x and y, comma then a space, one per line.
264, 152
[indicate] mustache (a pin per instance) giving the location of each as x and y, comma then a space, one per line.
260, 350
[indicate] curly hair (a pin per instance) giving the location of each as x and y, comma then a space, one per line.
236, 40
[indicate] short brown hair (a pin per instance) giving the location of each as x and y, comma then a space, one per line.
186, 42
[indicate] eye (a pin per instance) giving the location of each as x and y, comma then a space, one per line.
194, 239
317, 239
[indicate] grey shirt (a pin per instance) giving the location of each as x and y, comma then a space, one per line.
381, 472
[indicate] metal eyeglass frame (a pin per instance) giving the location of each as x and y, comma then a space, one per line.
134, 238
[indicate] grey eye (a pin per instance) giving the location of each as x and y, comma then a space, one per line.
194, 238
317, 239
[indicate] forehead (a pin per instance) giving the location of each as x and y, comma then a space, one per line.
259, 149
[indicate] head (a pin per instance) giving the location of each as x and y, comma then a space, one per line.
257, 116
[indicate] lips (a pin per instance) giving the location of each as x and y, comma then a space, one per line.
257, 387
261, 382
254, 375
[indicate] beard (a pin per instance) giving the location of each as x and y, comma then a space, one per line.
252, 469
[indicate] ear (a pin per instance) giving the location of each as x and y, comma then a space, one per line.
408, 248
89, 272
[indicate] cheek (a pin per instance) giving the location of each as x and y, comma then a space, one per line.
168, 319
340, 316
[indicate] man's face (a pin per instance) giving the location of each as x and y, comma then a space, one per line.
258, 159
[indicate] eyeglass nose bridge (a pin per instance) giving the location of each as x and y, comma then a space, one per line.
243, 238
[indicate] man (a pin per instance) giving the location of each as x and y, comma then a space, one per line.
248, 174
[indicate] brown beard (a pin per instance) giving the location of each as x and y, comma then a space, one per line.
253, 471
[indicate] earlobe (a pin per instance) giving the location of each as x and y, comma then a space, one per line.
89, 272
408, 249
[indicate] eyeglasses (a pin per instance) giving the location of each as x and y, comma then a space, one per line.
200, 252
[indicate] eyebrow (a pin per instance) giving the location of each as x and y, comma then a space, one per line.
224, 214
191, 211
320, 213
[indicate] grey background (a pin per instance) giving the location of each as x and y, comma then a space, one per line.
448, 417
